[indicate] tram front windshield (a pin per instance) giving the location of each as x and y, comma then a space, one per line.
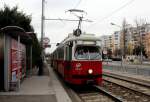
87, 53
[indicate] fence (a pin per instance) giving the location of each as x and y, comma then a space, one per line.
132, 69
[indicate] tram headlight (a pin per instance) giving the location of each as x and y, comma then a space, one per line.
90, 71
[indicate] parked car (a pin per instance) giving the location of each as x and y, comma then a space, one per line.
107, 60
116, 59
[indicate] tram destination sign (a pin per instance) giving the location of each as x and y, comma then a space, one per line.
86, 42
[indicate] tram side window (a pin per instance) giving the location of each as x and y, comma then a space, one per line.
61, 53
68, 53
55, 55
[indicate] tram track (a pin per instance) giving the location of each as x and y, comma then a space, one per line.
126, 89
88, 93
128, 79
91, 94
129, 83
95, 94
110, 91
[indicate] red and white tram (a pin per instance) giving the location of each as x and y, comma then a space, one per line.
78, 59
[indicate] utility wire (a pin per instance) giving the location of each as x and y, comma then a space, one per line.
78, 3
3, 2
110, 14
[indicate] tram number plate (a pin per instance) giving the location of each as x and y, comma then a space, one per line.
89, 81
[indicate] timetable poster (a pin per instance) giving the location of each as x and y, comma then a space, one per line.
18, 60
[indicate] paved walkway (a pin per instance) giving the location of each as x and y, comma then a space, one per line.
45, 88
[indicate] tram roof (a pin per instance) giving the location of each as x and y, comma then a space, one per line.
83, 37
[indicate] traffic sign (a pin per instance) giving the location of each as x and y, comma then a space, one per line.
104, 52
46, 40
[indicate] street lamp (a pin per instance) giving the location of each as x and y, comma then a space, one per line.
115, 25
120, 31
122, 52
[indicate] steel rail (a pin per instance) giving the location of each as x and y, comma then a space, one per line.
127, 79
127, 88
115, 98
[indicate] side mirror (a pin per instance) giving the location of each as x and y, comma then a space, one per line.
57, 44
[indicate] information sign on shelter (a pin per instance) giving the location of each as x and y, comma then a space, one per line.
104, 52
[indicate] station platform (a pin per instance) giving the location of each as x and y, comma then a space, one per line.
46, 88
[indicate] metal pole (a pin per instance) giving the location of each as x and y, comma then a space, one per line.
31, 60
6, 62
18, 65
122, 51
80, 20
42, 27
141, 46
124, 45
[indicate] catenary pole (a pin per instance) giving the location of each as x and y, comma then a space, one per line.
42, 27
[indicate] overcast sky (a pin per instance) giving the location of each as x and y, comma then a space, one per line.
102, 12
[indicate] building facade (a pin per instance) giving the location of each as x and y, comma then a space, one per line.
147, 44
107, 42
116, 44
128, 40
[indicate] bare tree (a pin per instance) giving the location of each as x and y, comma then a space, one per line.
141, 31
123, 38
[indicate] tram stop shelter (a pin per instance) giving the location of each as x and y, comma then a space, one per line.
13, 64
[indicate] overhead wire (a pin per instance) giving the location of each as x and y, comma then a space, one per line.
78, 3
3, 2
110, 14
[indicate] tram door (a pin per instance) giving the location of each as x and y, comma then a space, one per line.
68, 56
1, 62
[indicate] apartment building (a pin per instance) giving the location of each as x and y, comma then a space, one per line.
107, 43
126, 41
147, 44
104, 41
116, 51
